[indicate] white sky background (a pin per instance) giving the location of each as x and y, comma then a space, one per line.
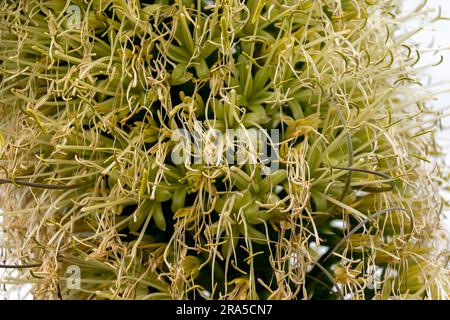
435, 37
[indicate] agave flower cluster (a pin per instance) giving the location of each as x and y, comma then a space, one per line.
92, 92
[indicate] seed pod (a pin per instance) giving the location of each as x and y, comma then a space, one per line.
251, 213
255, 118
319, 201
218, 109
178, 54
191, 267
386, 290
215, 124
158, 216
315, 156
202, 70
274, 179
242, 199
179, 75
260, 80
244, 76
178, 199
231, 241
224, 30
140, 215
240, 178
199, 105
162, 195
253, 234
143, 187
230, 113
296, 109
184, 34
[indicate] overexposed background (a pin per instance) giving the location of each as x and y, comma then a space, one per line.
436, 38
